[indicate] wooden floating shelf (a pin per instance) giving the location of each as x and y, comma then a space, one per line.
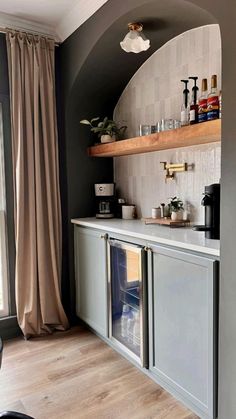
203, 133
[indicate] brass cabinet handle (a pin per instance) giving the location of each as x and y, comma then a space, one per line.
104, 236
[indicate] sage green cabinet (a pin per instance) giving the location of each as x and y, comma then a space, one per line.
91, 278
183, 326
182, 307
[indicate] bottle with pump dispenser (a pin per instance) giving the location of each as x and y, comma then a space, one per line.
213, 100
185, 105
202, 103
193, 114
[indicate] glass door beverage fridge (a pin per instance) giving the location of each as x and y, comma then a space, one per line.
128, 299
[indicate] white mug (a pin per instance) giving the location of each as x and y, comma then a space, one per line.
128, 212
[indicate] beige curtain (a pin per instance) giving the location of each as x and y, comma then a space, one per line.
36, 184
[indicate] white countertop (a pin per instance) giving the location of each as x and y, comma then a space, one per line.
184, 238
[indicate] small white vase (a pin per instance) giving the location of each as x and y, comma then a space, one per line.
177, 216
107, 138
174, 216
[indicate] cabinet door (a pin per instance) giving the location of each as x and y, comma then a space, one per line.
91, 278
183, 325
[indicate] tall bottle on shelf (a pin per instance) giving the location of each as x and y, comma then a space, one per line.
213, 100
193, 114
202, 103
220, 104
185, 105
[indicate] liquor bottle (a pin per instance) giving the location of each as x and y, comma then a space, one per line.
185, 105
202, 103
193, 114
213, 100
220, 104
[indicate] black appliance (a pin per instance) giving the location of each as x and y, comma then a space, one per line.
105, 200
211, 202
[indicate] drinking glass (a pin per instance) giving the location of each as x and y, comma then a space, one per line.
153, 129
158, 126
177, 123
146, 129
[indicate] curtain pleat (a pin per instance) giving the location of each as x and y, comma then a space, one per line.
36, 184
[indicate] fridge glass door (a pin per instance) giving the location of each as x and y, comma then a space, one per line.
126, 277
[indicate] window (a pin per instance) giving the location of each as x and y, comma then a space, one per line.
4, 302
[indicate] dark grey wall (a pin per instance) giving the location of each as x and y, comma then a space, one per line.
227, 355
94, 73
5, 101
8, 328
4, 80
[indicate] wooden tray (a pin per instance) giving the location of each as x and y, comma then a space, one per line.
167, 222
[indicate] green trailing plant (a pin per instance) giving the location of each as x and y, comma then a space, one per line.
105, 127
176, 204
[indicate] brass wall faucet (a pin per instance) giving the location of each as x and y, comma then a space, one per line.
171, 168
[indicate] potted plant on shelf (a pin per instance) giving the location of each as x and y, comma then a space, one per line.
107, 130
176, 208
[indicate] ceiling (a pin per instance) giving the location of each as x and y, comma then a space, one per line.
57, 18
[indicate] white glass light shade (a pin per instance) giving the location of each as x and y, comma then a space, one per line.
135, 41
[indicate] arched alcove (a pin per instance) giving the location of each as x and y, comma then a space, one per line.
94, 73
98, 72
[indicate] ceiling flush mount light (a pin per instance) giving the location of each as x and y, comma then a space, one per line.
135, 41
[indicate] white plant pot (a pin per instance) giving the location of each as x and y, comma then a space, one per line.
174, 216
177, 216
107, 139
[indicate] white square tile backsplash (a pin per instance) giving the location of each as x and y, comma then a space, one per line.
155, 92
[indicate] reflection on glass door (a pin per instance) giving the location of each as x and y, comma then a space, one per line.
3, 237
127, 297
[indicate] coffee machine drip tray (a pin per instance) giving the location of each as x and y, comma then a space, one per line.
105, 215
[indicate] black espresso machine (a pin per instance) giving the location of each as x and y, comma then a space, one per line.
211, 203
105, 200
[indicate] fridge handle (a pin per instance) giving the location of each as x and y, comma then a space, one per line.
144, 304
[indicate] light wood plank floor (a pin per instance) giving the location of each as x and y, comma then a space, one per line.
75, 375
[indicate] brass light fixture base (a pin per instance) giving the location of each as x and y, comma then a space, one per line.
135, 26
